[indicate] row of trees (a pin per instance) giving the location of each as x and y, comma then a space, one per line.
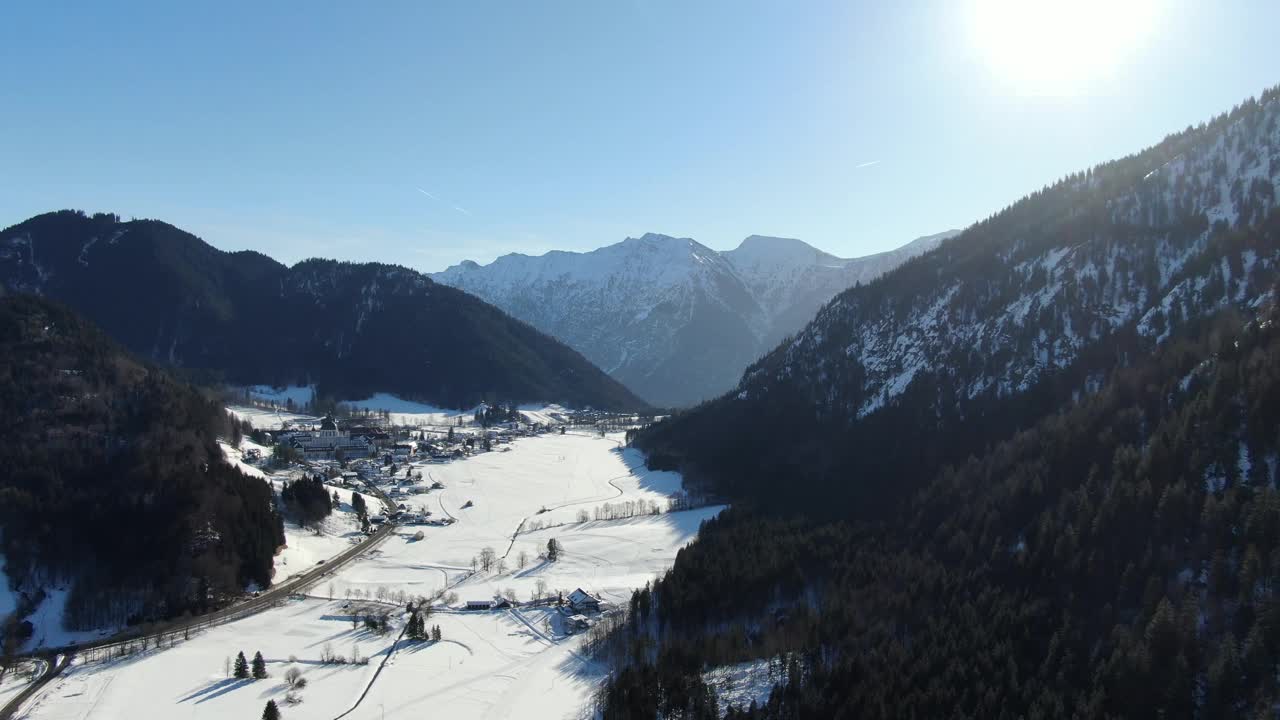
417, 628
242, 669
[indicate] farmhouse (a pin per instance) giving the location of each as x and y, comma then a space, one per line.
479, 605
405, 449
584, 602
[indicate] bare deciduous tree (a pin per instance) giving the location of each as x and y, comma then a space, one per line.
488, 557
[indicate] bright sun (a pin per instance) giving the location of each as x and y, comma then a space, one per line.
1052, 47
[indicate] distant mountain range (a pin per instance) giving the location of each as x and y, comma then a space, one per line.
672, 319
351, 329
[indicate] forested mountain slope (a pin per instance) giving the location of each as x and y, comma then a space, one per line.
352, 329
1021, 312
1030, 474
669, 317
113, 480
1116, 559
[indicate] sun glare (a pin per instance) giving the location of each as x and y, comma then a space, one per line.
1052, 47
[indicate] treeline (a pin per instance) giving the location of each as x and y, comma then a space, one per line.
493, 415
113, 478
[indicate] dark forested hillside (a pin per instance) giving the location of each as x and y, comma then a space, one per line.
1031, 474
113, 480
1118, 559
1015, 316
352, 329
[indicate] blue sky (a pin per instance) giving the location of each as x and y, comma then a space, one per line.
313, 129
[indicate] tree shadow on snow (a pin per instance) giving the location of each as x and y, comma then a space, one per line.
215, 689
665, 482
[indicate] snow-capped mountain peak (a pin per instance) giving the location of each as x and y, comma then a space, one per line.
671, 317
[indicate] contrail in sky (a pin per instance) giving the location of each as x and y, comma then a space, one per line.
859, 166
462, 210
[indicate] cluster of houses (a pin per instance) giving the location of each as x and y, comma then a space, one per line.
577, 608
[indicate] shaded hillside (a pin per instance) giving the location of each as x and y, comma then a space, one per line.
1117, 559
114, 480
1022, 312
1030, 474
353, 329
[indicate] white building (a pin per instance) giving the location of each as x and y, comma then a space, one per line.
324, 444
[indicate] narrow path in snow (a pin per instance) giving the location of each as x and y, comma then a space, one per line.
516, 533
395, 646
525, 621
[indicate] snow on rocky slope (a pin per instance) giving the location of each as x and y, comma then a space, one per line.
671, 318
1131, 248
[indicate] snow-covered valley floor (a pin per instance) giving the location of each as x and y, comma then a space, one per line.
489, 664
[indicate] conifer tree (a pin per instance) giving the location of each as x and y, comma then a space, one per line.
271, 712
241, 671
259, 667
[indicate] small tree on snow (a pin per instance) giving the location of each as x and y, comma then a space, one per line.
259, 667
241, 671
271, 712
553, 550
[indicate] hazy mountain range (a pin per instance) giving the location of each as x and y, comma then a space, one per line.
672, 319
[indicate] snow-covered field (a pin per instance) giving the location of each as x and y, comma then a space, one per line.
497, 664
402, 411
304, 547
270, 419
408, 412
16, 679
507, 490
299, 395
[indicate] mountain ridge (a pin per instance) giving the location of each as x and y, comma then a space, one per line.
351, 328
673, 319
